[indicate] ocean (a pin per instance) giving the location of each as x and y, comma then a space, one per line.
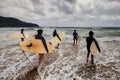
69, 61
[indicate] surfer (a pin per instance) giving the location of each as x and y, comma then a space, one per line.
22, 39
89, 40
75, 37
56, 34
39, 36
22, 32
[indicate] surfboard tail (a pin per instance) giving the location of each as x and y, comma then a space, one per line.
93, 49
55, 40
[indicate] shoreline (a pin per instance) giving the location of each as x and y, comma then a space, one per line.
69, 61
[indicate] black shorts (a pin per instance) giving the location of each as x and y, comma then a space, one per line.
75, 38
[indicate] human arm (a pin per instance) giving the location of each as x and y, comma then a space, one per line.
44, 43
58, 37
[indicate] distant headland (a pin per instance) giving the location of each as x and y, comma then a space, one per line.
13, 22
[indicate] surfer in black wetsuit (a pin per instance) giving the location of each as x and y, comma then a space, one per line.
89, 40
22, 39
75, 37
22, 32
39, 36
56, 34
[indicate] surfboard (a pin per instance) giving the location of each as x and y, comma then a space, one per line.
20, 36
55, 40
93, 48
36, 46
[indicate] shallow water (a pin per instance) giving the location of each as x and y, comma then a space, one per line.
69, 61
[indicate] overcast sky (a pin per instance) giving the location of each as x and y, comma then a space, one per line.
64, 12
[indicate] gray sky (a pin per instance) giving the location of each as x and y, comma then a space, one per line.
64, 12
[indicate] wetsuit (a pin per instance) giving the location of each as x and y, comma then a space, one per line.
75, 35
55, 34
22, 39
38, 36
89, 40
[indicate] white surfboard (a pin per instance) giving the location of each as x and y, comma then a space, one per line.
93, 49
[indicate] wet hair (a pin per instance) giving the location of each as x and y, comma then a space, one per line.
22, 30
91, 33
40, 31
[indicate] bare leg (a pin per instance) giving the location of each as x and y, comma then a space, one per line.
87, 56
73, 41
41, 58
57, 46
92, 59
76, 41
22, 39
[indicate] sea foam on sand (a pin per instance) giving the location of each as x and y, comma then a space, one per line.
67, 64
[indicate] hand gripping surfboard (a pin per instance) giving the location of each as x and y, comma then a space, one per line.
36, 46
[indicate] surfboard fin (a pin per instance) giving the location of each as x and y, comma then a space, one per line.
30, 45
50, 43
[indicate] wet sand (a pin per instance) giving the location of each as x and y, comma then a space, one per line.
67, 64
107, 67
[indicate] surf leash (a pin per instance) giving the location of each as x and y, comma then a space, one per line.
31, 63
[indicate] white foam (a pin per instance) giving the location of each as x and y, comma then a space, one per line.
71, 58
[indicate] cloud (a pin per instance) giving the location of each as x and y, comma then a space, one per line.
63, 12
110, 17
71, 1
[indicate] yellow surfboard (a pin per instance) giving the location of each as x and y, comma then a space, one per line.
20, 36
36, 46
54, 41
94, 50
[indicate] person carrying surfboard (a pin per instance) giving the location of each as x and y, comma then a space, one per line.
56, 34
89, 41
22, 39
39, 36
22, 32
75, 37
